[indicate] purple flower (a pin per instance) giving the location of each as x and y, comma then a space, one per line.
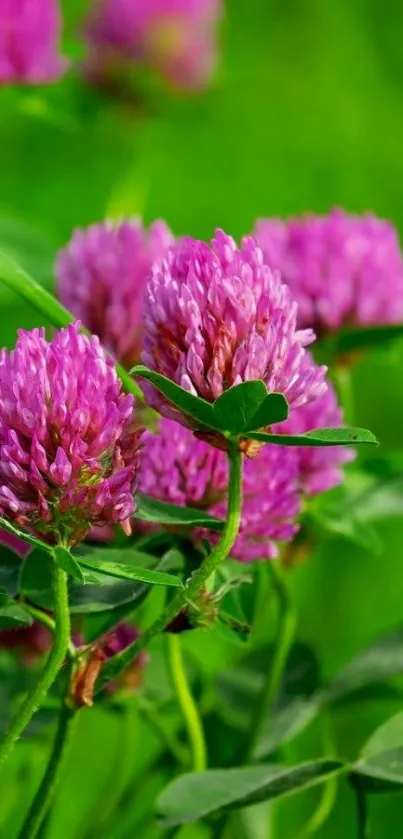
116, 641
30, 642
29, 39
178, 468
14, 543
216, 316
102, 275
319, 468
341, 269
68, 449
177, 38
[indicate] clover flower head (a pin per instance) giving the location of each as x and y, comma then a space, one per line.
176, 38
68, 450
102, 275
29, 41
342, 269
216, 316
319, 468
178, 468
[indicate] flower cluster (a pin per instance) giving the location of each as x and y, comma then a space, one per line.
29, 38
68, 449
177, 38
341, 269
178, 468
319, 468
216, 316
102, 275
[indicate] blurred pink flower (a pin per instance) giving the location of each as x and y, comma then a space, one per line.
175, 37
14, 543
102, 275
319, 468
216, 316
341, 269
29, 41
178, 468
29, 642
68, 449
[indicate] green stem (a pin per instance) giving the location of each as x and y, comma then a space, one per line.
26, 287
196, 582
45, 794
363, 822
186, 702
51, 669
329, 793
282, 645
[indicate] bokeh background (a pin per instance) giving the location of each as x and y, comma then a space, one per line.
303, 114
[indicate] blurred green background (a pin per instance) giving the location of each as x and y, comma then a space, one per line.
305, 113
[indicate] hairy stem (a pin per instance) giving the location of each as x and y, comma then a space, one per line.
186, 702
52, 666
196, 582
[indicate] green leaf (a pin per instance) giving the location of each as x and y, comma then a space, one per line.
129, 572
359, 338
319, 437
247, 406
69, 564
196, 408
379, 661
380, 766
28, 246
106, 594
197, 795
150, 509
12, 616
284, 725
22, 534
10, 567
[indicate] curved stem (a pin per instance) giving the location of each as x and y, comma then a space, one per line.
186, 702
329, 792
45, 794
196, 582
282, 645
363, 822
52, 666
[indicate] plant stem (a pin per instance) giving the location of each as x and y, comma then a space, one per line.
26, 287
363, 822
196, 582
283, 641
45, 794
52, 667
329, 792
186, 702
